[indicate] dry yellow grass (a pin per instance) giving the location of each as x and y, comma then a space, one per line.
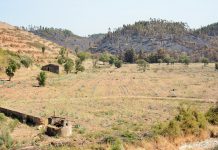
110, 101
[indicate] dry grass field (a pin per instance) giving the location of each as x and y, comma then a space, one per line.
108, 101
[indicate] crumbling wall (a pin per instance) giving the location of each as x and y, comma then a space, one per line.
25, 118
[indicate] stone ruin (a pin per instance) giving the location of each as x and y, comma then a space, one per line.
58, 126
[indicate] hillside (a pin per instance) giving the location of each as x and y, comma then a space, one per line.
66, 38
25, 43
210, 30
152, 35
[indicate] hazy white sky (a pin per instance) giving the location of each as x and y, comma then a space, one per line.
85, 17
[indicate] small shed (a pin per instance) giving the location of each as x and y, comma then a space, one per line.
51, 68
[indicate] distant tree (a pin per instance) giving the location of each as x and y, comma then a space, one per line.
79, 66
42, 78
10, 72
216, 66
140, 56
104, 57
160, 61
112, 60
95, 58
118, 63
167, 60
82, 56
61, 60
143, 65
11, 69
76, 50
63, 52
184, 59
43, 49
68, 66
205, 61
62, 56
130, 56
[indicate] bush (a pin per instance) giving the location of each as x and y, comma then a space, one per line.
117, 145
143, 65
83, 55
26, 61
79, 66
68, 66
6, 141
205, 61
212, 115
112, 60
118, 63
188, 121
42, 78
104, 57
2, 117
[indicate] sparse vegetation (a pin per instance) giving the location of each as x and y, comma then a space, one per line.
26, 61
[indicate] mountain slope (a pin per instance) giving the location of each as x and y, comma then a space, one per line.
153, 35
66, 38
26, 43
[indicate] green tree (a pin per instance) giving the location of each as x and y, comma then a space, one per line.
118, 63
82, 56
130, 56
205, 61
160, 61
42, 78
104, 57
79, 66
10, 72
112, 60
68, 66
143, 65
11, 69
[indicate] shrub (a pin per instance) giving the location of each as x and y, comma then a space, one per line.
212, 115
68, 66
188, 121
79, 66
205, 61
2, 117
112, 60
129, 136
118, 63
117, 145
26, 61
61, 60
143, 65
104, 57
83, 55
6, 140
42, 78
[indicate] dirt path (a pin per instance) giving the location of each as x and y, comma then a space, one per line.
203, 145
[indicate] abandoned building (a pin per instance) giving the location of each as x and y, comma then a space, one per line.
51, 68
59, 126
